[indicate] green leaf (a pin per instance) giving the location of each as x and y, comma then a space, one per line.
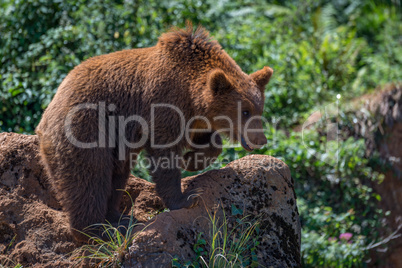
236, 211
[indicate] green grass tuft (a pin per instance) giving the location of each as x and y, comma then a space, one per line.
111, 251
228, 246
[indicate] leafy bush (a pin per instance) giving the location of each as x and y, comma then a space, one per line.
318, 49
334, 196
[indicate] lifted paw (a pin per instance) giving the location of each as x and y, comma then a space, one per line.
189, 200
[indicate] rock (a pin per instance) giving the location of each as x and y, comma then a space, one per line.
257, 185
385, 138
34, 229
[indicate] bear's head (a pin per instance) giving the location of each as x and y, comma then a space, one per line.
231, 100
237, 105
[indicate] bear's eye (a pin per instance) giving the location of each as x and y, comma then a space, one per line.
246, 113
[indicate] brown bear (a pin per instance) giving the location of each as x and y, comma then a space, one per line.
110, 107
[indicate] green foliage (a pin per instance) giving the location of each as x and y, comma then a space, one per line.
314, 56
334, 195
318, 49
331, 252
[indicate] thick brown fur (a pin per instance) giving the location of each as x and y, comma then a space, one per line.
187, 69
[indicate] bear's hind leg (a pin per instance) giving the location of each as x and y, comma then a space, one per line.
120, 176
84, 191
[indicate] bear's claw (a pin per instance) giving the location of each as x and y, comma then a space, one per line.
194, 196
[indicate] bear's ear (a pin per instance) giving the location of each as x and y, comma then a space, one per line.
218, 82
261, 77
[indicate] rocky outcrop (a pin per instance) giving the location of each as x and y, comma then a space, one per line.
382, 129
256, 186
34, 230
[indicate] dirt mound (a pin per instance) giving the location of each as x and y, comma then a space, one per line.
34, 230
33, 227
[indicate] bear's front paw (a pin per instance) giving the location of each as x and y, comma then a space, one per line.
188, 200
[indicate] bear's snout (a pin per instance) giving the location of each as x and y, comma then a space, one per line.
252, 142
253, 136
260, 141
257, 141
